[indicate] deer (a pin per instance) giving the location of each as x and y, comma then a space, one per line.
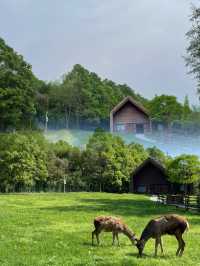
171, 224
114, 225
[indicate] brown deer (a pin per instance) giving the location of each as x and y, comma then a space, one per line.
114, 225
167, 224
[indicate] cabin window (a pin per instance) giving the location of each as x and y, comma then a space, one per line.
120, 127
140, 128
141, 189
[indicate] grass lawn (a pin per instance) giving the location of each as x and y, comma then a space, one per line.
55, 229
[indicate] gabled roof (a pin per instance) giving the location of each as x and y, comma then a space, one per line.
147, 161
131, 100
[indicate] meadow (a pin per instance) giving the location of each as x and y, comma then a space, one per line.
55, 229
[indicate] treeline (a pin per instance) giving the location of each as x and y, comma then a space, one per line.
79, 99
29, 163
27, 160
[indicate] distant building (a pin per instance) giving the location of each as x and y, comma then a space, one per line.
151, 178
130, 117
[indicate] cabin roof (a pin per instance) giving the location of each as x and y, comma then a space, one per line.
131, 100
151, 161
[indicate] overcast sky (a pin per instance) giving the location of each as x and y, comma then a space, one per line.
138, 42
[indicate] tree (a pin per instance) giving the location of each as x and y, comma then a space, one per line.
42, 103
165, 109
157, 155
184, 169
22, 161
186, 109
17, 90
108, 161
193, 49
83, 96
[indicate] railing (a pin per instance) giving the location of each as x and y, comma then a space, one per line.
187, 202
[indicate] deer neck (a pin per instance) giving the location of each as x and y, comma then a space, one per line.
145, 236
130, 235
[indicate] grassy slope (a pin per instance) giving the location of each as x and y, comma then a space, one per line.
55, 229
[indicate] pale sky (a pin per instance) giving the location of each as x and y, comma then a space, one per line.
138, 42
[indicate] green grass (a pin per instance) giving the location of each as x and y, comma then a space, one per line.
55, 229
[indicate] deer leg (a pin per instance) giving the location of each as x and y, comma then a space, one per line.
117, 239
97, 237
182, 247
156, 246
161, 247
179, 239
113, 238
96, 233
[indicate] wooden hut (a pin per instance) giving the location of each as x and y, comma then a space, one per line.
129, 116
150, 177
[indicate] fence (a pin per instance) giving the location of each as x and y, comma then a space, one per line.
187, 202
44, 187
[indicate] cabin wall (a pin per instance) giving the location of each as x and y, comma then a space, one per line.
130, 119
149, 179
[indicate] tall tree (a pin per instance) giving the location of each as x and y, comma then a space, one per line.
17, 89
165, 109
184, 169
193, 49
22, 160
186, 109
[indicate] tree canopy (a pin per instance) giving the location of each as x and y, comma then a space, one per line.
17, 89
165, 109
79, 99
193, 49
184, 169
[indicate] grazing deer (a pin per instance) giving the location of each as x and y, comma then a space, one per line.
114, 225
167, 224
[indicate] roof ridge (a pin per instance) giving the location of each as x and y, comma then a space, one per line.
133, 101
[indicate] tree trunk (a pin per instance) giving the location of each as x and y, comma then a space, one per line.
66, 118
46, 121
77, 120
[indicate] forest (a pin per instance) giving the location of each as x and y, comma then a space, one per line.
28, 162
81, 99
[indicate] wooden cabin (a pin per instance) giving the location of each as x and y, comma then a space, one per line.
130, 117
150, 177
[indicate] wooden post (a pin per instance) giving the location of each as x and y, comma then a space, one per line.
187, 202
64, 183
198, 202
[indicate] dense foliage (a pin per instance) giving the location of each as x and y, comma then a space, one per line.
184, 169
22, 161
108, 162
165, 109
82, 96
193, 54
79, 99
28, 161
17, 90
